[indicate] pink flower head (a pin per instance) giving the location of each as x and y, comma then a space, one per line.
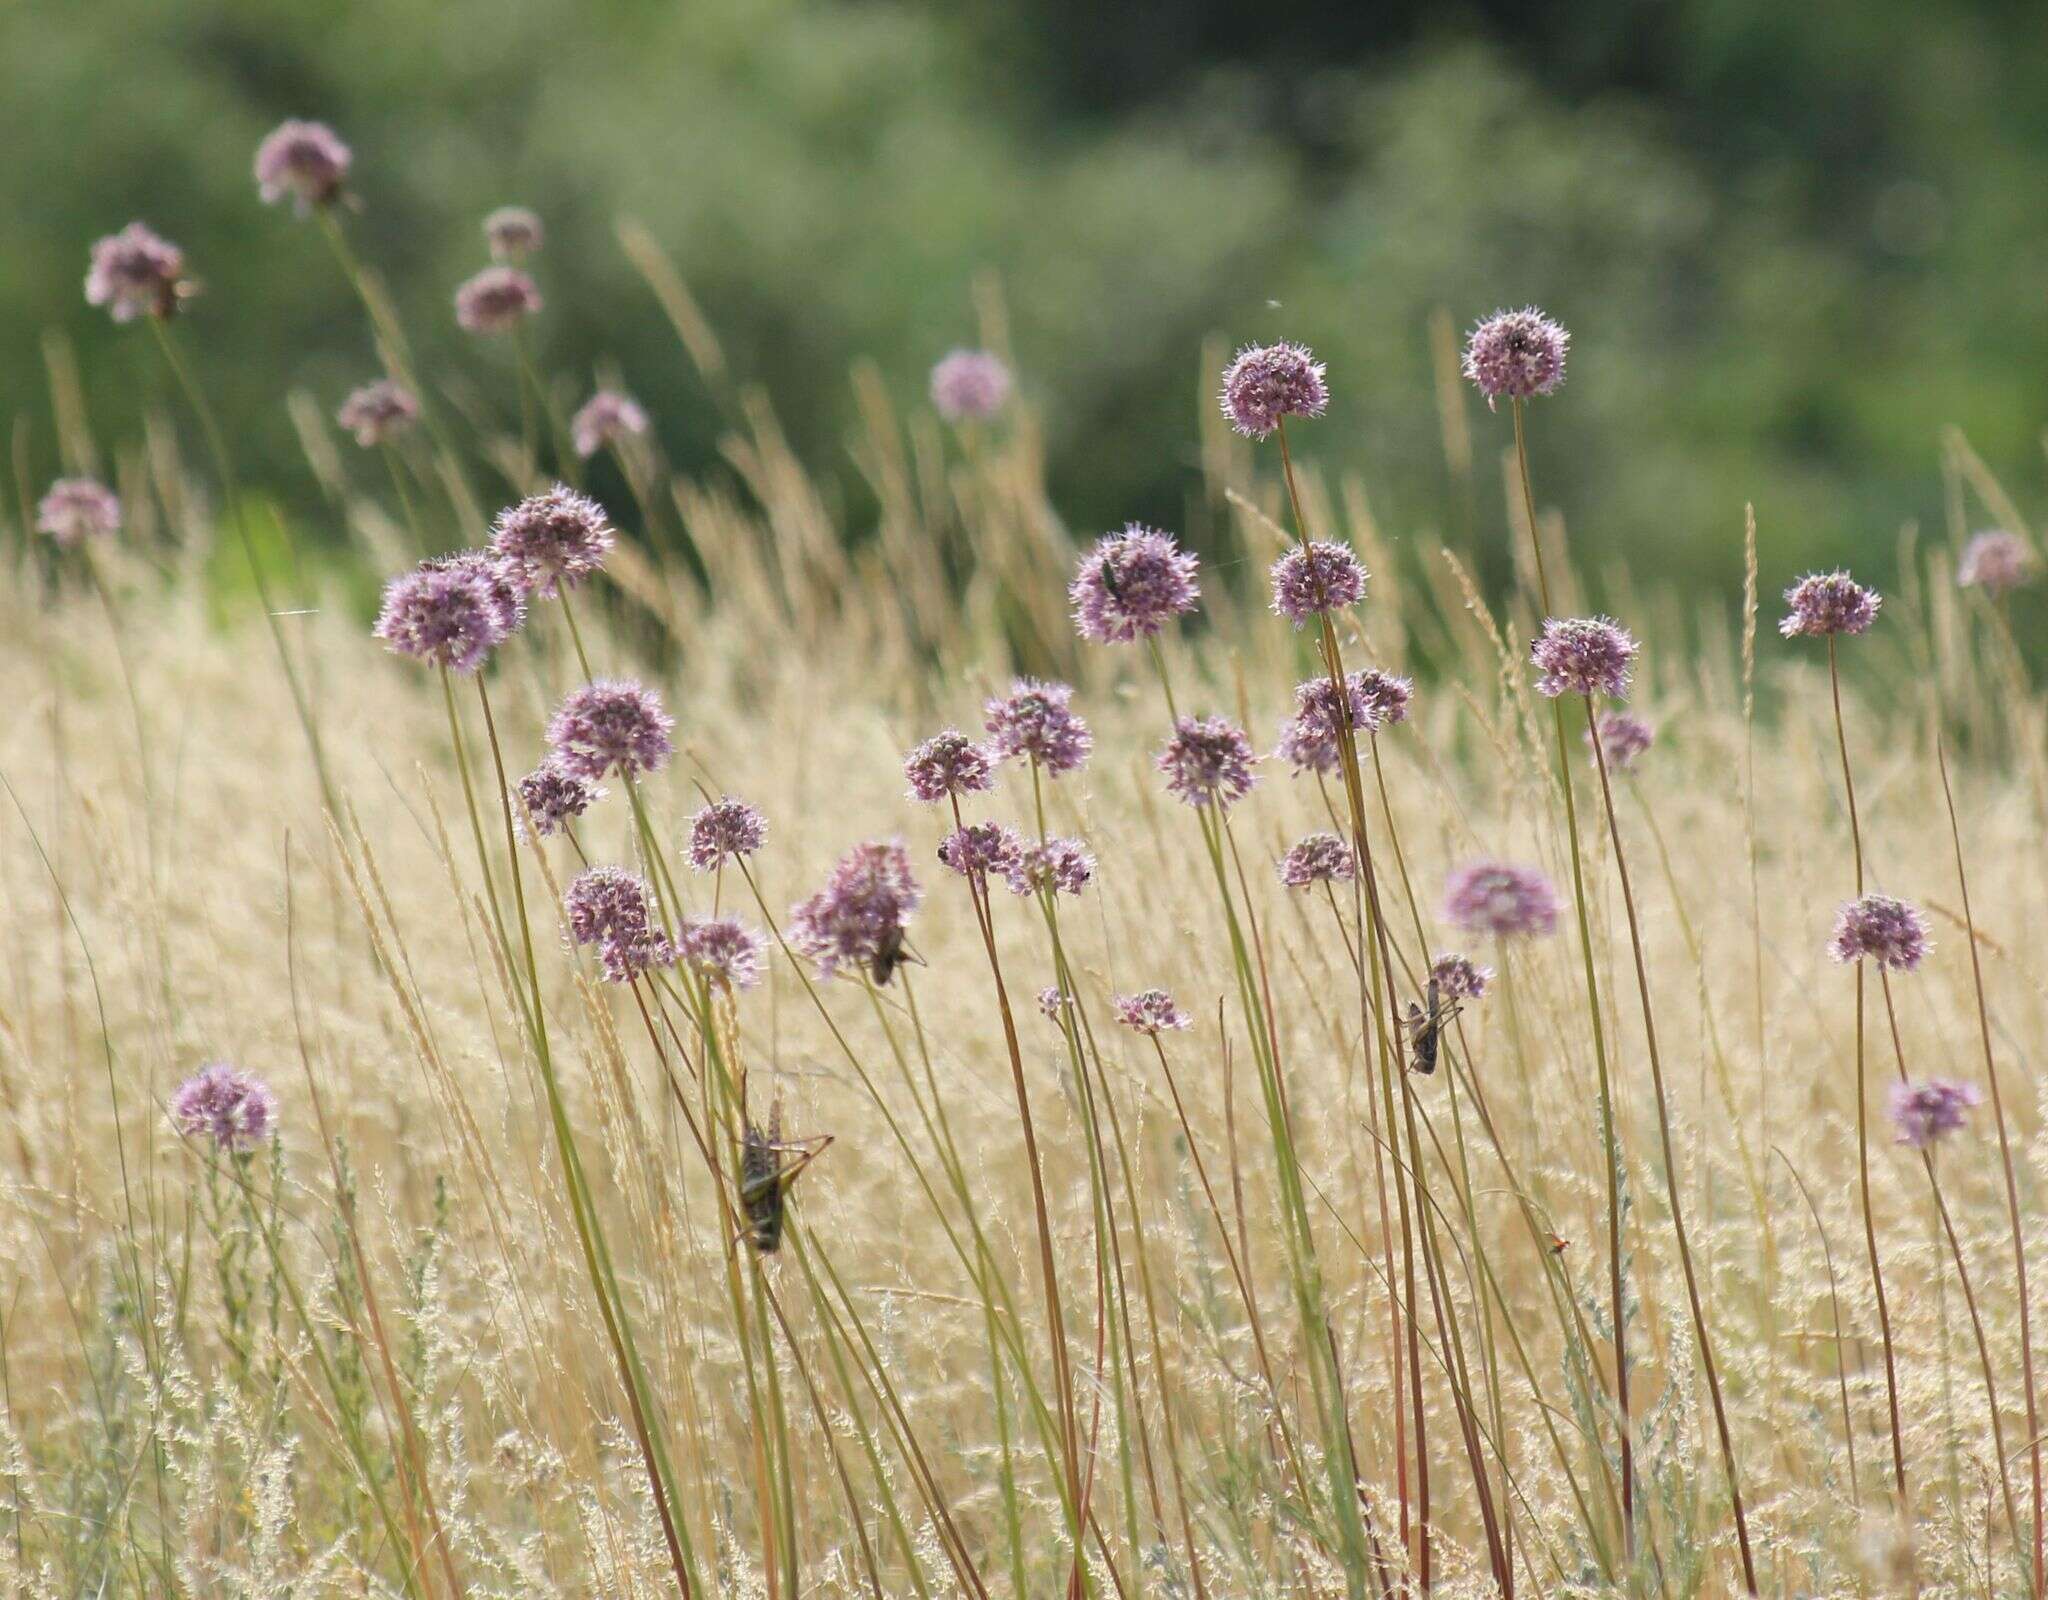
304, 160
969, 384
234, 1110
378, 411
613, 909
1516, 355
1207, 762
860, 915
1495, 897
1053, 1004
1131, 584
1316, 580
1386, 696
1310, 738
1829, 602
946, 766
1265, 384
553, 540
981, 850
725, 830
1583, 655
723, 949
444, 615
496, 300
1889, 931
1995, 562
1924, 1112
513, 233
1150, 1012
612, 725
75, 509
1035, 722
508, 601
136, 273
1319, 858
1622, 738
604, 419
554, 797
1459, 977
1058, 866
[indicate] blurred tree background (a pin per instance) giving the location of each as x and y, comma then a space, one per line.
1793, 242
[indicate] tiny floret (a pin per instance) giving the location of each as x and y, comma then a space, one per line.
496, 300
378, 411
1207, 762
1266, 384
604, 419
1150, 1012
554, 797
513, 233
1315, 580
858, 918
1583, 655
981, 850
1459, 977
1825, 603
1035, 722
1131, 584
1056, 866
1622, 739
725, 830
73, 510
1498, 898
446, 616
1995, 562
1516, 355
1925, 1112
722, 949
969, 384
305, 160
1889, 931
553, 540
1319, 858
946, 766
136, 273
237, 1112
612, 725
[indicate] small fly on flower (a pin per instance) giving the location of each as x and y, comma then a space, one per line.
1428, 1027
1109, 579
890, 954
769, 1164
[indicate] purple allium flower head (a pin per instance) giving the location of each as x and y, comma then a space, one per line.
1924, 1112
1494, 897
1622, 738
1268, 383
969, 384
1889, 931
1054, 1004
1829, 602
1583, 655
1996, 561
724, 830
1386, 696
1060, 865
1150, 1012
304, 160
862, 910
135, 273
553, 797
981, 850
1036, 722
234, 1110
723, 949
1208, 761
1459, 977
1315, 581
612, 724
946, 766
613, 909
508, 600
553, 540
1516, 355
513, 233
1319, 858
75, 509
378, 411
446, 616
1309, 738
1131, 584
495, 300
605, 418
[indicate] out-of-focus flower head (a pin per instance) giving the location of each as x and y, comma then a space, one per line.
496, 300
862, 911
723, 949
1622, 738
1996, 561
513, 233
604, 419
1925, 1112
1062, 866
969, 384
378, 411
1498, 898
137, 273
1131, 584
76, 509
305, 160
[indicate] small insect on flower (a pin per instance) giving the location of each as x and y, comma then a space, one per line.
73, 510
859, 918
604, 419
1925, 1112
1426, 1027
1131, 584
237, 1112
378, 411
1995, 562
1266, 384
1825, 603
969, 385
1516, 355
305, 160
137, 273
513, 233
769, 1165
496, 300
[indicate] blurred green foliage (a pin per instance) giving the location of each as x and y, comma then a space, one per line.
1792, 242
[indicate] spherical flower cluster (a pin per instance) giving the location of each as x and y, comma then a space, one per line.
1924, 1112
1319, 858
513, 233
981, 850
861, 912
1495, 897
1208, 761
1131, 584
605, 418
946, 766
1266, 384
1150, 1012
612, 724
1459, 977
1622, 738
613, 909
234, 1110
1310, 738
724, 830
1053, 1004
1316, 580
378, 411
1035, 722
1386, 696
1060, 866
553, 540
1889, 931
75, 509
446, 616
1995, 562
305, 160
554, 797
136, 273
1829, 602
496, 300
723, 949
969, 384
1583, 655
1516, 355
508, 601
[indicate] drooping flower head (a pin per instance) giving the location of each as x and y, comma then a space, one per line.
513, 233
1829, 602
508, 600
1061, 866
236, 1111
554, 797
378, 411
1516, 355
1266, 384
1995, 562
612, 725
1316, 580
969, 384
946, 766
1310, 739
1131, 584
1150, 1012
981, 850
861, 913
1459, 977
1924, 1112
725, 830
1583, 655
553, 540
613, 909
1035, 722
1319, 858
305, 160
723, 949
1207, 762
135, 273
1498, 898
446, 616
76, 509
496, 300
1622, 738
604, 419
1889, 931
